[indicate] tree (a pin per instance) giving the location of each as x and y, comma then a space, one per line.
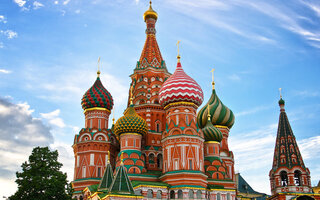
41, 177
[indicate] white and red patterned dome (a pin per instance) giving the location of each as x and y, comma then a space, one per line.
180, 87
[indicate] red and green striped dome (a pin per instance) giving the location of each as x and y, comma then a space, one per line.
97, 96
211, 133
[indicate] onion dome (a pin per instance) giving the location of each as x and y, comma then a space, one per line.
131, 122
150, 13
221, 114
210, 132
281, 101
180, 87
97, 96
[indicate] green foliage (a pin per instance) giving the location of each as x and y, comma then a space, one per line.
41, 177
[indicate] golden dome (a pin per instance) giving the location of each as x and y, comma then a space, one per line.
150, 13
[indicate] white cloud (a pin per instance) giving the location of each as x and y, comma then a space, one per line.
37, 5
9, 34
20, 3
252, 111
56, 2
309, 147
307, 93
77, 11
53, 118
66, 2
4, 71
19, 134
3, 19
234, 77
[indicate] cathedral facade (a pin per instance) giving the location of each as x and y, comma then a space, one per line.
166, 145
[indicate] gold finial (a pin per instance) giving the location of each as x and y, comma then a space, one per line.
178, 51
108, 157
280, 92
113, 116
131, 95
209, 116
98, 72
121, 158
212, 78
150, 2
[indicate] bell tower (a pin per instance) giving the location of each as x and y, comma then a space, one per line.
289, 177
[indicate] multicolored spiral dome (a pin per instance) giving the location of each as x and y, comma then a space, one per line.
180, 87
220, 114
281, 101
97, 96
131, 122
211, 133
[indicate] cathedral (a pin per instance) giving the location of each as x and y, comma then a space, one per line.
166, 145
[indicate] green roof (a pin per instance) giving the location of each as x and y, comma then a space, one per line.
93, 188
107, 178
121, 183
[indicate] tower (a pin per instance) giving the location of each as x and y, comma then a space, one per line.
130, 129
149, 75
289, 177
182, 141
95, 140
216, 120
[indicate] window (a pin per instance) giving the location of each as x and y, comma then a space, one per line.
199, 194
83, 171
99, 172
180, 194
99, 123
91, 159
159, 194
172, 194
297, 178
187, 120
191, 194
177, 119
151, 158
284, 178
190, 164
90, 123
150, 194
157, 127
218, 196
159, 161
228, 196
134, 143
176, 164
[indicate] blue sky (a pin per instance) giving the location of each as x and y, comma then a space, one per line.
49, 52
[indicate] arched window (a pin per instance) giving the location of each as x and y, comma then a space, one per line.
199, 194
159, 194
172, 194
157, 127
150, 193
297, 178
180, 194
284, 178
228, 196
218, 196
191, 194
159, 161
151, 158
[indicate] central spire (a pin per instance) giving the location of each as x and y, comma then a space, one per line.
151, 55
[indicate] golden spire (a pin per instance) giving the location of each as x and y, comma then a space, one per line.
150, 13
280, 92
212, 78
98, 72
108, 157
178, 57
121, 158
209, 116
131, 95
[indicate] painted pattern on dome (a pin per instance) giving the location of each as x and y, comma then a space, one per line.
97, 96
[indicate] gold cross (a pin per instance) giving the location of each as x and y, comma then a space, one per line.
98, 72
280, 92
212, 74
178, 46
